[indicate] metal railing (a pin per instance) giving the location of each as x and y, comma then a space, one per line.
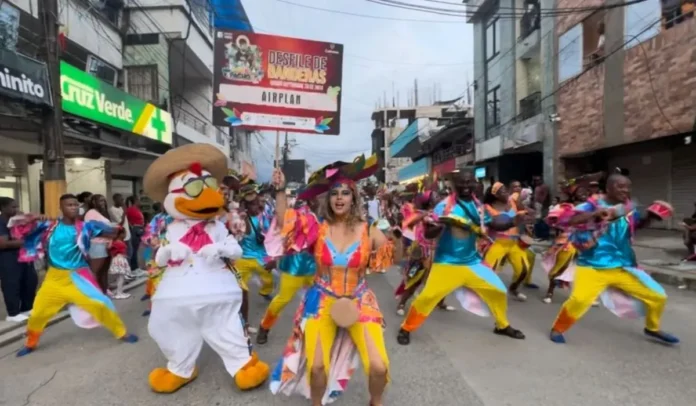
192, 121
202, 15
530, 106
530, 21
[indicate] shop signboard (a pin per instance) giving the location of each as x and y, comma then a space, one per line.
24, 78
89, 97
267, 82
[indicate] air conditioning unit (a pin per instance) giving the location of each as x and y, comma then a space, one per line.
102, 70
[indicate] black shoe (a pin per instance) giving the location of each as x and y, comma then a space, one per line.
404, 337
262, 336
509, 332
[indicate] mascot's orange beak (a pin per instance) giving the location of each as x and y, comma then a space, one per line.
206, 206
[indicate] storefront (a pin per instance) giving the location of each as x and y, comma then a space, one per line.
112, 136
25, 95
661, 169
414, 171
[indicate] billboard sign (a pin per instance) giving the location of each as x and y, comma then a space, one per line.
266, 82
89, 97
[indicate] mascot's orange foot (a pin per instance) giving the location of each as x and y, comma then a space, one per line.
253, 374
163, 381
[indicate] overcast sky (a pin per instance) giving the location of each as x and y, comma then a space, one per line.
379, 54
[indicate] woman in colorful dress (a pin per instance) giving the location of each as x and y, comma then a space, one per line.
320, 357
506, 247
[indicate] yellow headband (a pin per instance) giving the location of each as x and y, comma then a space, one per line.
496, 187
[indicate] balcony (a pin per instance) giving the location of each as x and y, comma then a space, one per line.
530, 33
475, 8
530, 21
151, 17
530, 106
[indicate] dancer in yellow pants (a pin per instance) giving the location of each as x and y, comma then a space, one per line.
254, 255
457, 264
63, 287
68, 280
607, 262
506, 246
297, 273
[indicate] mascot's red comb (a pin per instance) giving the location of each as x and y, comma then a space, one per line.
196, 168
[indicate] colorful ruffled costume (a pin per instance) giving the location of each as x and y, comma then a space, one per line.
68, 281
457, 267
250, 232
297, 266
606, 266
339, 274
506, 248
155, 235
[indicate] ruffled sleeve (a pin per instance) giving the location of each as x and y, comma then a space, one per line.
33, 233
300, 230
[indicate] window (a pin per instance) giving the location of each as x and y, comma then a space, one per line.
142, 82
641, 22
493, 108
492, 39
109, 9
677, 11
570, 53
98, 68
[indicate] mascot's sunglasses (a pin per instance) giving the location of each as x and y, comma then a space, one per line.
194, 187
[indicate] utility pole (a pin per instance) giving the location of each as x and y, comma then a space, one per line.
415, 92
286, 150
54, 155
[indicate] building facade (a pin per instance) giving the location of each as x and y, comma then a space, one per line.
512, 93
389, 123
146, 58
630, 103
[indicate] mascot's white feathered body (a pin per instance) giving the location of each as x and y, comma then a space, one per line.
199, 298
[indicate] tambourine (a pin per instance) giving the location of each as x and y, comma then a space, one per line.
525, 241
344, 312
661, 209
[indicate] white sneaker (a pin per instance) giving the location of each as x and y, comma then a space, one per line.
520, 297
121, 296
546, 300
252, 330
17, 319
400, 312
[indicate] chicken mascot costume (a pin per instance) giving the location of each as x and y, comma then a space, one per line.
199, 297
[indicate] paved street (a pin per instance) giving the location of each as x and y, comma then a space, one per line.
453, 360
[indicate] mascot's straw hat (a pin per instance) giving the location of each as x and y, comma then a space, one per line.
156, 180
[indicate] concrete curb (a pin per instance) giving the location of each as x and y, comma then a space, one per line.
16, 331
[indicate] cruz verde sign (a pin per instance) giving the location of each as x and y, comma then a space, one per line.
87, 96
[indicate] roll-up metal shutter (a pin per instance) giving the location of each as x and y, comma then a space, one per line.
650, 174
683, 182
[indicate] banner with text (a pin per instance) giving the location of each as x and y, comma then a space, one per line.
266, 82
87, 96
